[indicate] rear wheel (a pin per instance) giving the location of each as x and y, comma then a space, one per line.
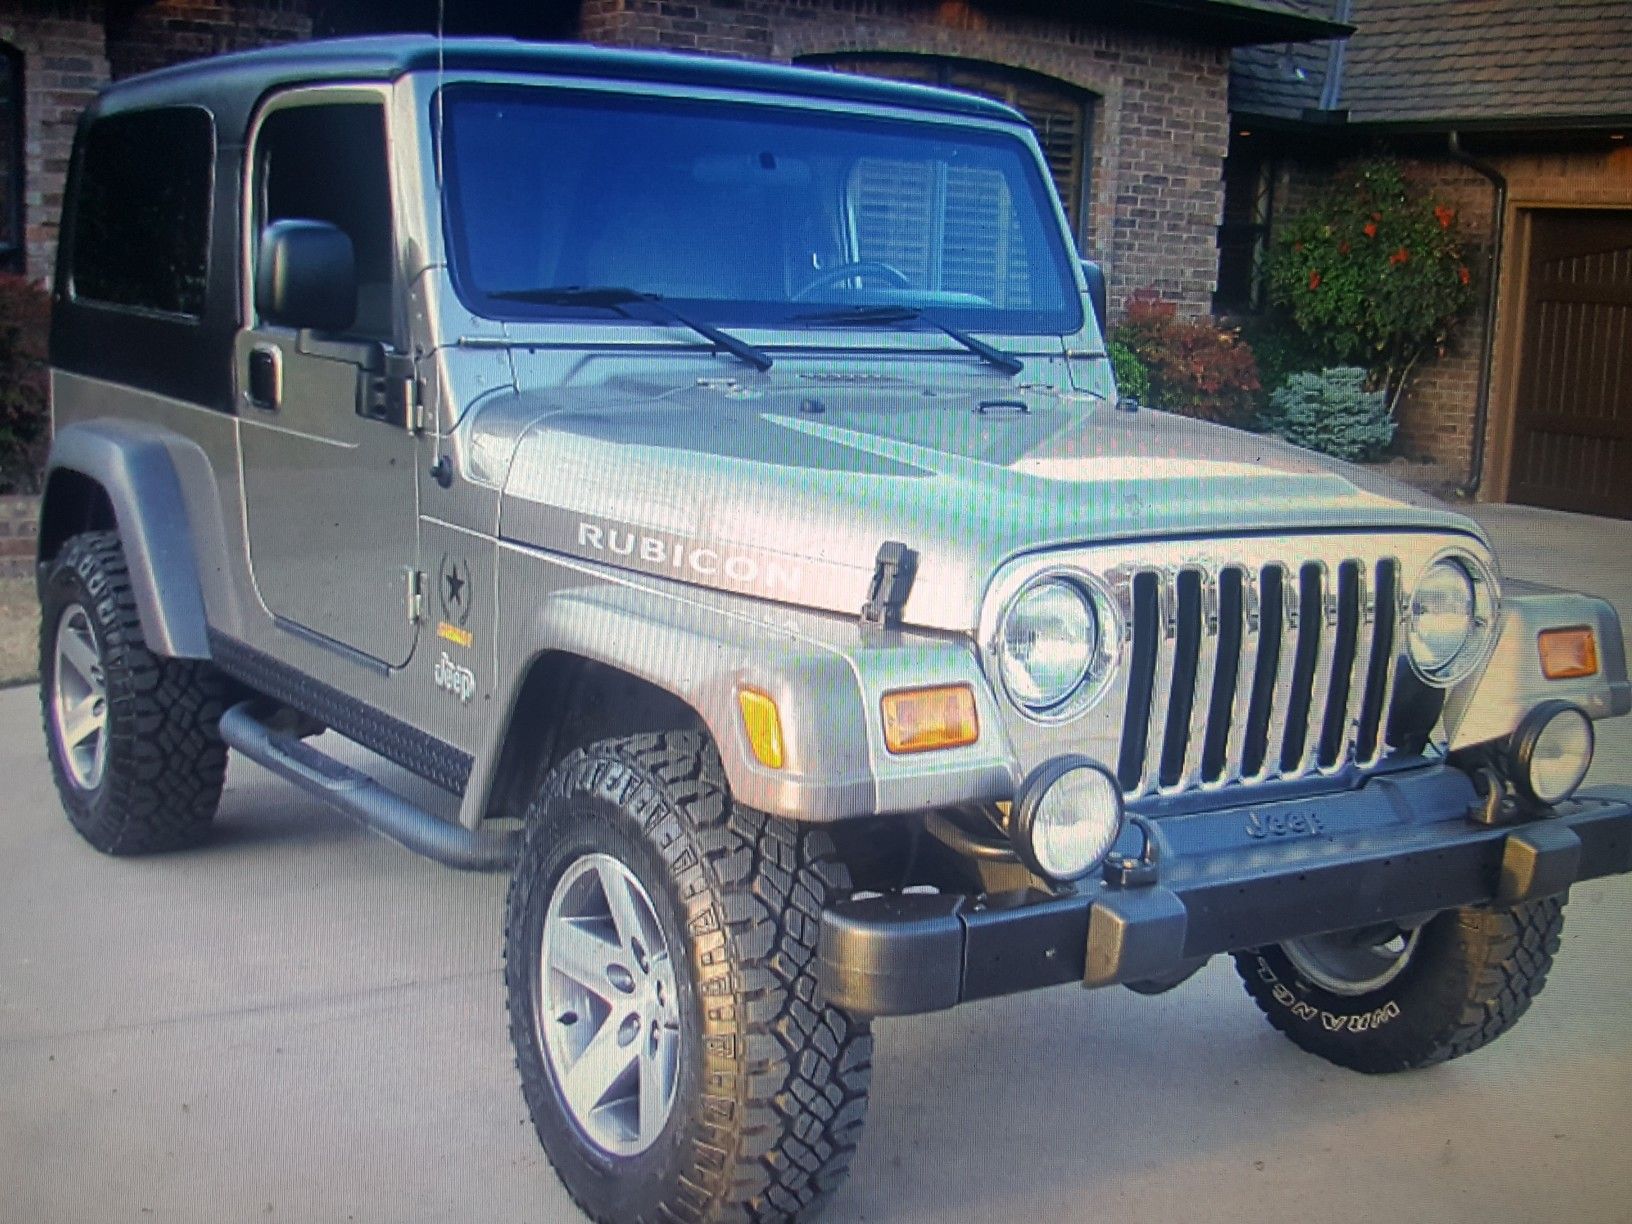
134, 737
660, 959
1387, 998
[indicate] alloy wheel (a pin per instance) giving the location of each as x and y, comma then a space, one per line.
79, 699
1352, 963
608, 1007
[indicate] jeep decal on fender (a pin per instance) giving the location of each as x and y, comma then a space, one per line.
455, 678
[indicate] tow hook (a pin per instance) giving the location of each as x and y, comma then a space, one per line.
1126, 871
1491, 806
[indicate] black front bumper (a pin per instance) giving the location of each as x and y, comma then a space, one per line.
1400, 846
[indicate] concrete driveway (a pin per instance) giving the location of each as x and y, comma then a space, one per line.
302, 1022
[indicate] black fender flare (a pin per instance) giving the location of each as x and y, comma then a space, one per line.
133, 464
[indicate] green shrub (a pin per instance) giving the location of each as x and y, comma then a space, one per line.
1196, 366
1132, 382
25, 402
1280, 349
1331, 412
1373, 273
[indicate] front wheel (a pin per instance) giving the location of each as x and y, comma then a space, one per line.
1395, 999
660, 958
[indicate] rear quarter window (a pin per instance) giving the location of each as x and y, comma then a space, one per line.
142, 217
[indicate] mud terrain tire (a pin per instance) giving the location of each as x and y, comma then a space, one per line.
163, 761
1471, 976
771, 1087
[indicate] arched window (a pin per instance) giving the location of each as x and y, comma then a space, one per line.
1061, 113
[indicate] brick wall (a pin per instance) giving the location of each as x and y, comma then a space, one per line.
166, 32
1436, 413
64, 63
19, 528
1160, 125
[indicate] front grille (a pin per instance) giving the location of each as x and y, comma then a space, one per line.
1243, 673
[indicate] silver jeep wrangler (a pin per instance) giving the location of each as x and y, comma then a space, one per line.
711, 475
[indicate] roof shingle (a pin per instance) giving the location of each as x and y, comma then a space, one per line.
1416, 61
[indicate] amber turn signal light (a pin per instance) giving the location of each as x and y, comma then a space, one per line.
1568, 654
924, 719
763, 725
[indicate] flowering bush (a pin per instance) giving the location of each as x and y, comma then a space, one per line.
1196, 367
25, 407
1331, 412
1373, 273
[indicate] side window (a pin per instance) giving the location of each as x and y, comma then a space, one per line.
142, 219
327, 162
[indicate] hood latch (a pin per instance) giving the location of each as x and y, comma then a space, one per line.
893, 572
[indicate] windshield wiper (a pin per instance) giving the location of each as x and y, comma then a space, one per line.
612, 297
1007, 362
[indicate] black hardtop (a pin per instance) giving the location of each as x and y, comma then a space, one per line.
230, 86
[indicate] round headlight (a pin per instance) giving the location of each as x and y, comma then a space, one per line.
1553, 750
1047, 643
1067, 818
1452, 620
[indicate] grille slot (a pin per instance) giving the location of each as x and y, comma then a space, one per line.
1239, 673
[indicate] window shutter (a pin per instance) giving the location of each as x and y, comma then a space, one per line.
1059, 113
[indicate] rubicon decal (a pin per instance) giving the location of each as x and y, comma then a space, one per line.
769, 572
686, 557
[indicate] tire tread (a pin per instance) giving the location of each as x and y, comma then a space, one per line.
806, 1066
1494, 964
166, 761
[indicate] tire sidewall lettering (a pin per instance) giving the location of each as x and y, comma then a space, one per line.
1357, 1022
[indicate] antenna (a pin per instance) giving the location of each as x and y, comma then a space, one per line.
441, 79
442, 470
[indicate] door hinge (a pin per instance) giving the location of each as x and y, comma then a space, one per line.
392, 394
416, 595
408, 405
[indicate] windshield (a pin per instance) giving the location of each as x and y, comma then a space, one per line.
746, 215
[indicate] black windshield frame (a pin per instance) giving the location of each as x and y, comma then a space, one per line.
1060, 314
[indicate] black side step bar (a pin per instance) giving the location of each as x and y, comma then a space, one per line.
248, 728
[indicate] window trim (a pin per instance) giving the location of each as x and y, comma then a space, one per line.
251, 206
124, 308
1269, 165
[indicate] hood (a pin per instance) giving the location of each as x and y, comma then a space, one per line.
784, 487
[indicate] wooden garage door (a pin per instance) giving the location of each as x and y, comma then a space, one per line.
1572, 446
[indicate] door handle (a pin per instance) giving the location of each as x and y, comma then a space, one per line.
265, 382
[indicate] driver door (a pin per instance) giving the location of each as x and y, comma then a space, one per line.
329, 460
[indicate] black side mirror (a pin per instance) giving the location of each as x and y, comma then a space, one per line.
1095, 276
306, 276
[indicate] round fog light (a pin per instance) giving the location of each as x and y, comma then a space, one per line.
1552, 749
1067, 817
